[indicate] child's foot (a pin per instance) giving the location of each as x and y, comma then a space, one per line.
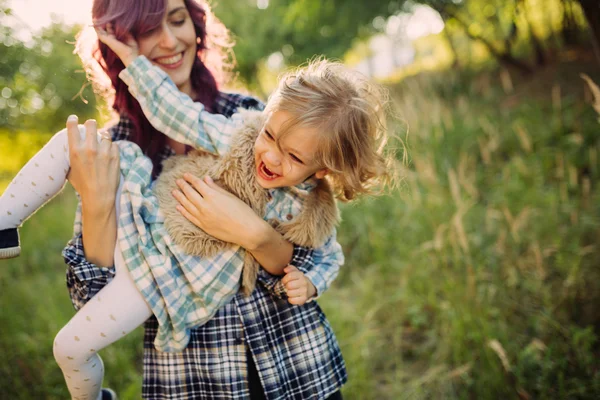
108, 394
9, 243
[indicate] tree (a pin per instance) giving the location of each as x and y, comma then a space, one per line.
41, 80
298, 28
591, 9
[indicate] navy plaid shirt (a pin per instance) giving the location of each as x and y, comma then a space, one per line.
295, 351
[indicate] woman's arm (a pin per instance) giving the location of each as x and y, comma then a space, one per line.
95, 175
224, 216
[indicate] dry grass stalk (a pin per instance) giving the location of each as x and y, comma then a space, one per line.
556, 98
499, 350
485, 153
523, 137
459, 371
560, 165
459, 229
516, 223
506, 81
426, 170
501, 243
595, 91
454, 188
539, 260
572, 175
466, 174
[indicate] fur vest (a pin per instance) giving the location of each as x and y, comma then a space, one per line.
235, 172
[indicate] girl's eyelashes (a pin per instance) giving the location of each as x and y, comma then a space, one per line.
296, 159
268, 135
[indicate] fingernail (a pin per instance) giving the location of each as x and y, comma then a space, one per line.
72, 117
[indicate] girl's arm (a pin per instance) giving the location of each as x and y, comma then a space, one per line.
174, 113
314, 269
168, 109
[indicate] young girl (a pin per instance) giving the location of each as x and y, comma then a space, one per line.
323, 121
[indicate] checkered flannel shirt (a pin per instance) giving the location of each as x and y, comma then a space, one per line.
294, 348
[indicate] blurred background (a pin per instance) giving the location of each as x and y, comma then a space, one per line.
477, 278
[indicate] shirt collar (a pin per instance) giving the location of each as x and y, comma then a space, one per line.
302, 188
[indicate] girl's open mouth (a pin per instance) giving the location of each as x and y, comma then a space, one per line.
265, 173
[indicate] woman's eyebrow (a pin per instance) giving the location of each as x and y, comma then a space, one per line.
173, 11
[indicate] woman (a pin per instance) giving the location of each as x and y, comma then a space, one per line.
257, 347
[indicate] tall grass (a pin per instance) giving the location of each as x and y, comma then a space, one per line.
478, 278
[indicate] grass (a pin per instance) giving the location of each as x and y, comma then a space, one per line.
477, 279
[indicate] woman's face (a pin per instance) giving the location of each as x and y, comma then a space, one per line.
172, 45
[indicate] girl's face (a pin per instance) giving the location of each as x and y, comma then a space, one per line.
172, 45
294, 162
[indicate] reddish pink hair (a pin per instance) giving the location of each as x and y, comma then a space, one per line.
137, 17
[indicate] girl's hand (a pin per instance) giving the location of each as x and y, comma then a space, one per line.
127, 51
298, 287
218, 212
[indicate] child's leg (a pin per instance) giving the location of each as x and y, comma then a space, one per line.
115, 311
38, 181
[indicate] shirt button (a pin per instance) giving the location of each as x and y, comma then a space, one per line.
289, 217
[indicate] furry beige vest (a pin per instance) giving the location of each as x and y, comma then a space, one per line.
234, 172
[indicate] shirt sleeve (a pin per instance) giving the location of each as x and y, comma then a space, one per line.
174, 113
84, 279
320, 265
300, 256
324, 265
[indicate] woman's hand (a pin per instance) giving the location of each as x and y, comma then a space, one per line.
298, 287
224, 216
127, 51
94, 166
218, 212
95, 176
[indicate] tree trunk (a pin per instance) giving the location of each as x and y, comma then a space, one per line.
504, 57
455, 62
591, 9
570, 31
540, 54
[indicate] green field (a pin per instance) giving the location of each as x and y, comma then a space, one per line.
477, 278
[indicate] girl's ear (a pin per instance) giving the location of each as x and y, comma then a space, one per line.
320, 174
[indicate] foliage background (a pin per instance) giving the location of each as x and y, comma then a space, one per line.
477, 278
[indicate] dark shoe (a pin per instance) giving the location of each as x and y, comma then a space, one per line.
108, 394
9, 243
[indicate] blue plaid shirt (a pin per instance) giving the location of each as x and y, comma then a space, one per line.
294, 348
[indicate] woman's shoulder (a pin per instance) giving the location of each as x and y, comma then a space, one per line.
120, 128
228, 103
